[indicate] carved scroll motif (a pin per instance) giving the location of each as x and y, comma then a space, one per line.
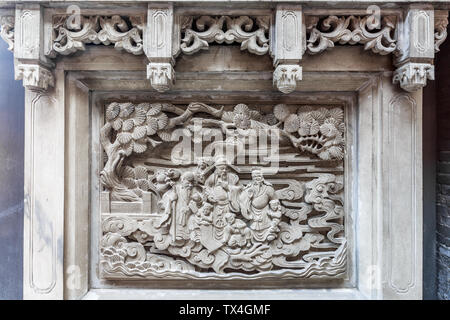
225, 29
124, 33
7, 30
207, 218
377, 37
440, 28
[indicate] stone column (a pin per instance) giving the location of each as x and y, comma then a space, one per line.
44, 194
44, 159
401, 163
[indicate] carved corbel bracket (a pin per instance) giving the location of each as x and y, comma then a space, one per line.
34, 76
416, 48
159, 47
161, 75
413, 76
31, 64
288, 47
7, 21
440, 28
286, 76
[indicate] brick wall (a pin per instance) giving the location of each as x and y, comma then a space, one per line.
443, 172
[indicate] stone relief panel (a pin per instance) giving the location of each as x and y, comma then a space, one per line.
222, 192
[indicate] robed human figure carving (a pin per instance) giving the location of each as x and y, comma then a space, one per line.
255, 203
222, 187
179, 204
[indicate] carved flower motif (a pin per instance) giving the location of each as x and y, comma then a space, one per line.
112, 111
126, 110
139, 116
136, 179
128, 125
242, 122
139, 132
117, 124
242, 117
329, 129
165, 135
152, 126
162, 120
281, 111
314, 127
292, 123
155, 108
320, 114
241, 109
337, 114
304, 129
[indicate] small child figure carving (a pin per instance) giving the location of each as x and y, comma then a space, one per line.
274, 213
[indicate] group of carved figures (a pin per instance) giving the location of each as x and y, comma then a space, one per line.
206, 218
206, 212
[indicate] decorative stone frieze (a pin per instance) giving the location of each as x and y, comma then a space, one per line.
211, 217
251, 33
124, 32
375, 35
7, 30
440, 28
162, 35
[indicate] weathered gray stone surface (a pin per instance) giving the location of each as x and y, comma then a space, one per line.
70, 111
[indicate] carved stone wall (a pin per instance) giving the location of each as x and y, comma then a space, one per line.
166, 115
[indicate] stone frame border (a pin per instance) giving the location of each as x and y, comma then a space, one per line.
369, 220
347, 101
